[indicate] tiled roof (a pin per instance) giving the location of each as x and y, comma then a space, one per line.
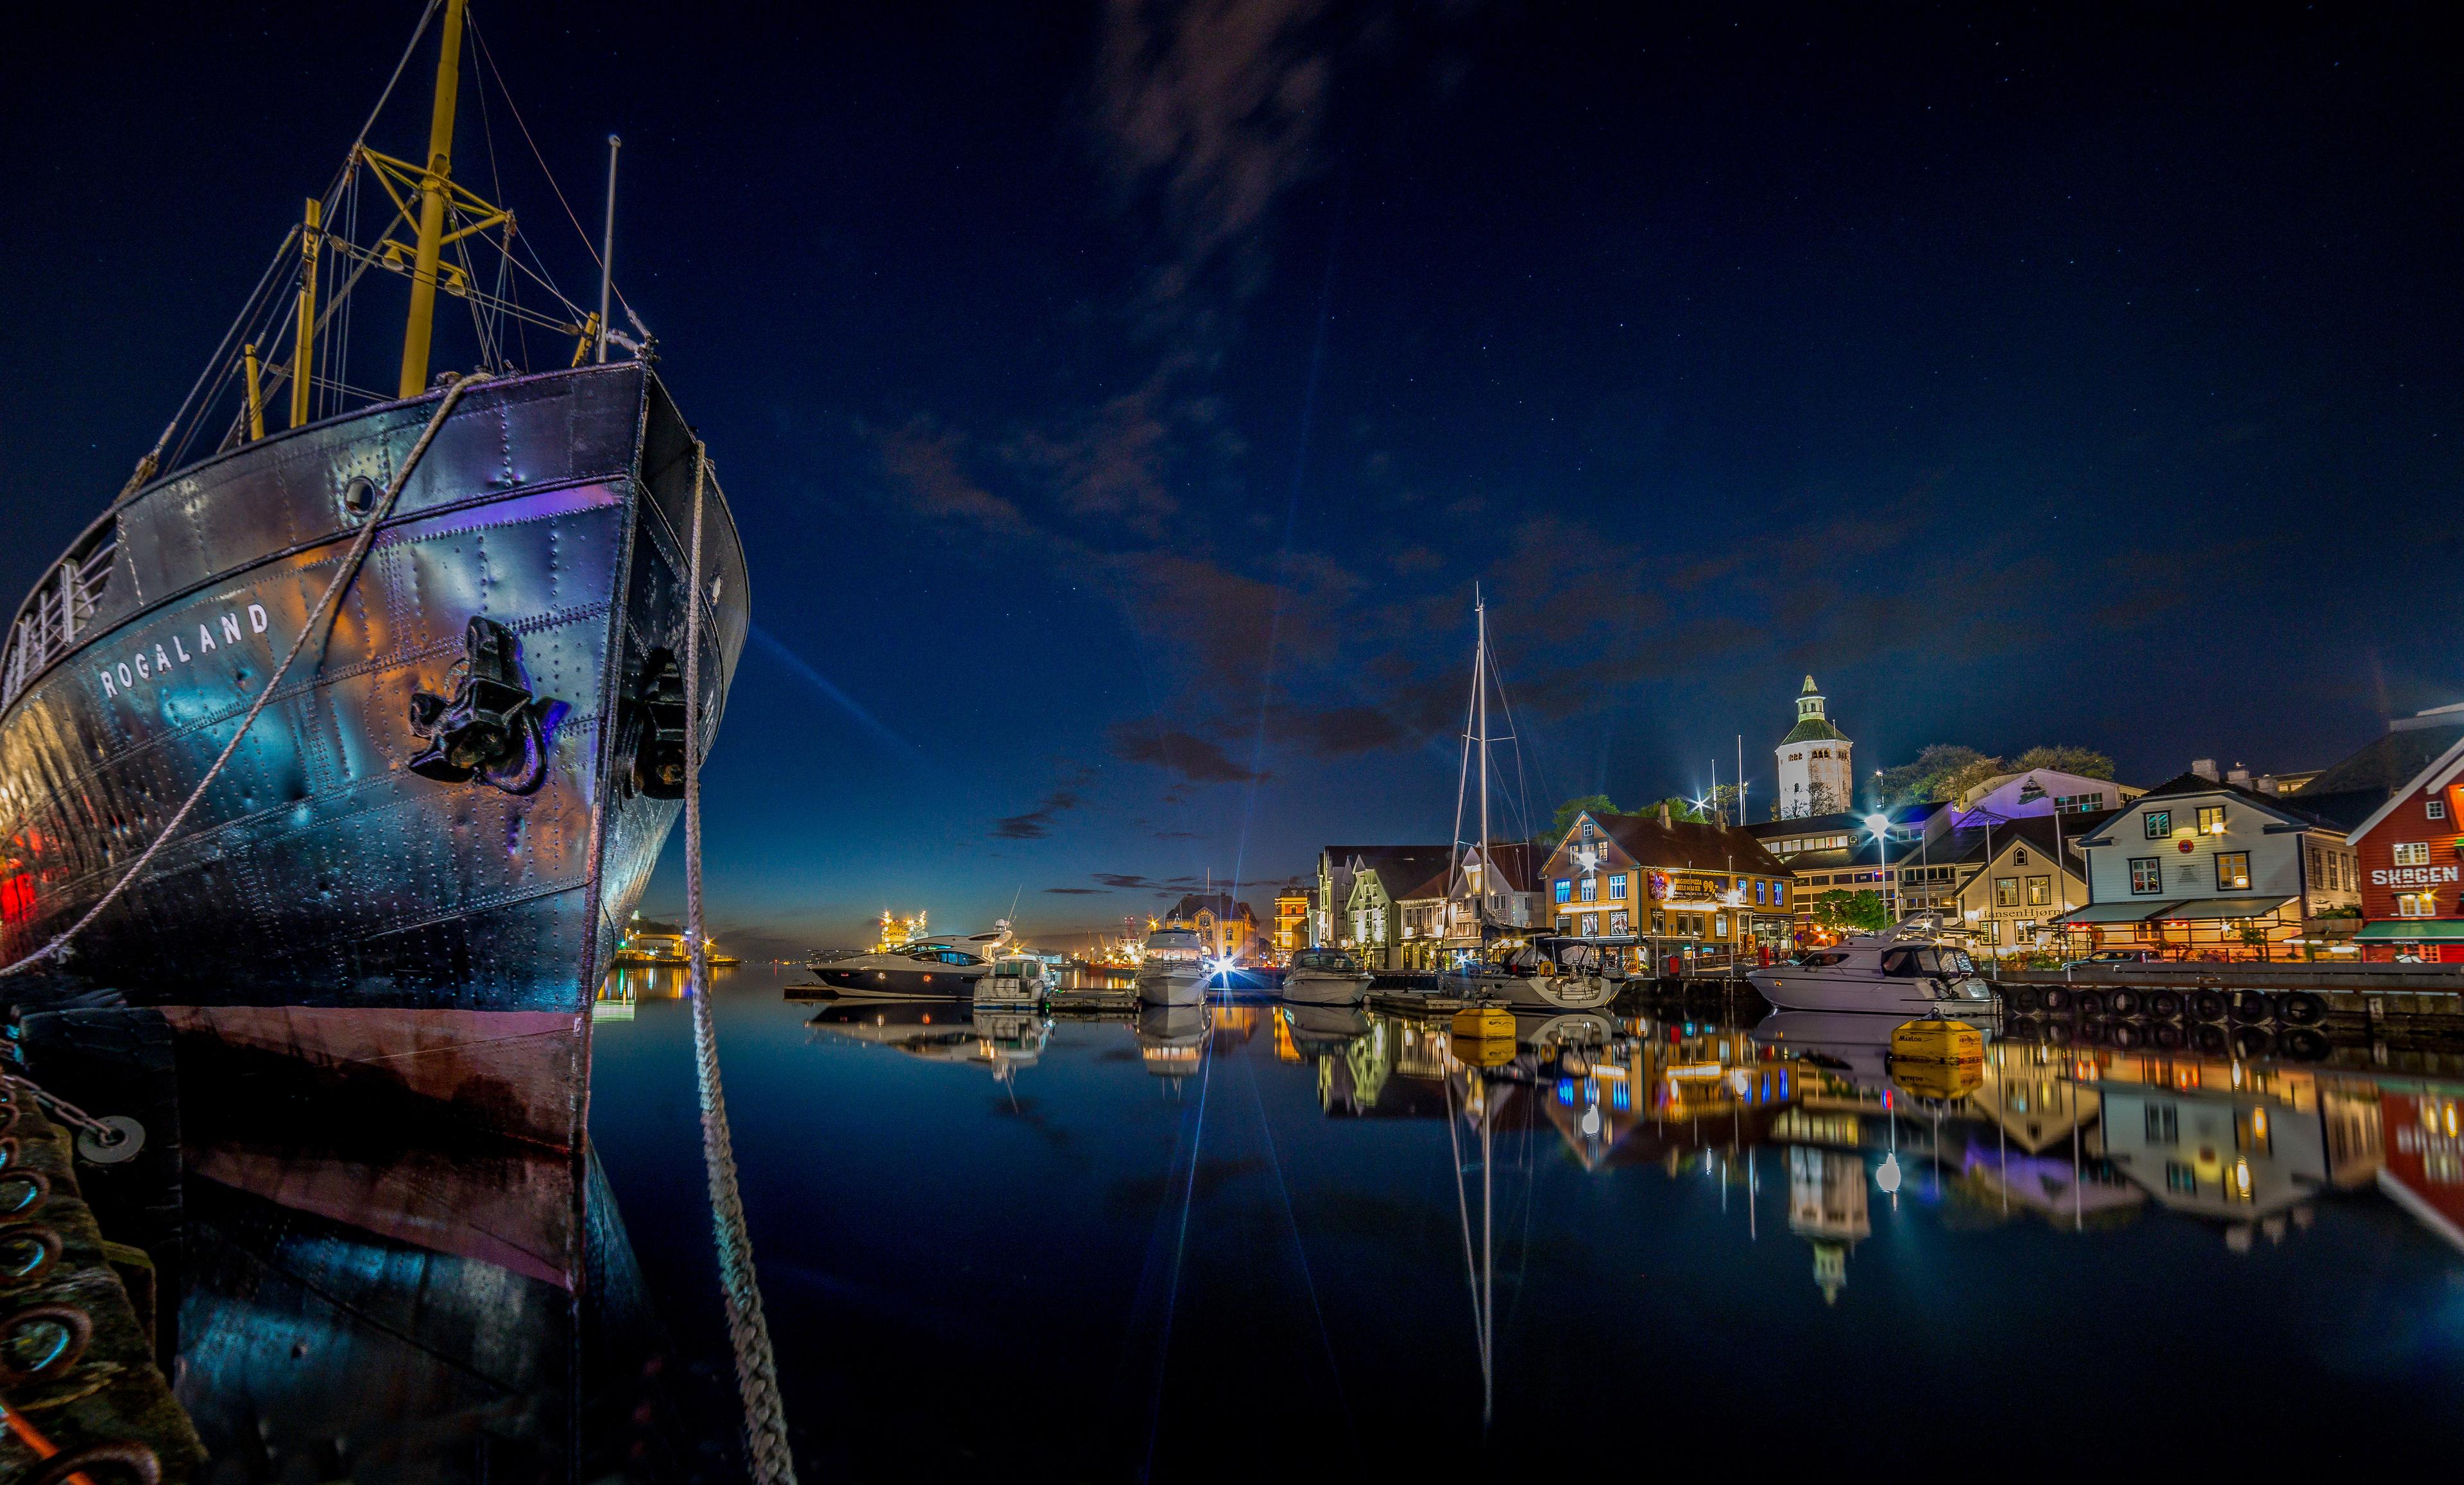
1689, 845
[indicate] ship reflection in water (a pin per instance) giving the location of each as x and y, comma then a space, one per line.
367, 1297
1020, 1245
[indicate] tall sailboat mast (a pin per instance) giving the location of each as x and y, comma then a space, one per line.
1480, 690
434, 186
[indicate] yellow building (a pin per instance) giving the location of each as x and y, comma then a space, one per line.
1291, 922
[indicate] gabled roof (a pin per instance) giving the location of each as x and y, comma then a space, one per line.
2192, 786
2391, 759
1222, 905
1403, 871
2438, 773
2353, 791
1685, 845
1518, 862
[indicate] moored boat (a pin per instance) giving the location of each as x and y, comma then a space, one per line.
927, 969
1325, 977
1173, 969
1906, 970
1538, 974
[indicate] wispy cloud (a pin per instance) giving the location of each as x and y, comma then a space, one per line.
1190, 757
1037, 823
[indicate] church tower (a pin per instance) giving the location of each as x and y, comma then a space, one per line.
1815, 777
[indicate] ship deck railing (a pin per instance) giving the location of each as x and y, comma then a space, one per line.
47, 624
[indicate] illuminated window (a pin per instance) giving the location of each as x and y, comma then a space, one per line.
2160, 824
1591, 889
2411, 852
2040, 891
1758, 894
1617, 924
2006, 892
2232, 870
1719, 925
2211, 819
1565, 889
1780, 894
2416, 905
2181, 1178
2146, 875
1616, 888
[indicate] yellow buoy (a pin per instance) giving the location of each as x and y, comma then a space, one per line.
1939, 1080
1485, 1021
1938, 1040
1483, 1051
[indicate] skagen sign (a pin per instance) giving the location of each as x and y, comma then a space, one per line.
149, 665
2412, 875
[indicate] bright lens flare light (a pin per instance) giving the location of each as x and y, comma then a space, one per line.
1878, 824
1217, 966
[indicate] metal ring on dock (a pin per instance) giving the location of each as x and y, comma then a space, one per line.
126, 1461
78, 1334
39, 1191
46, 1244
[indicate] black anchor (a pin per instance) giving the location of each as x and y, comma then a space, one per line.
489, 726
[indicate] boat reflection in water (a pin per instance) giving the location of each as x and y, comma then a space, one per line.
381, 1310
1489, 1233
1001, 1039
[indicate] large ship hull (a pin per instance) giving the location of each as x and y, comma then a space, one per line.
323, 899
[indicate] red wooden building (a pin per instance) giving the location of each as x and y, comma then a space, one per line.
2410, 852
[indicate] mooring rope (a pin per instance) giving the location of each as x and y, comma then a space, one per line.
351, 561
748, 1331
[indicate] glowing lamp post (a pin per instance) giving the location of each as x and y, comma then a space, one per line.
1880, 824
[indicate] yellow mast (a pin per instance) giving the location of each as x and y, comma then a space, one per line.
433, 190
256, 394
304, 345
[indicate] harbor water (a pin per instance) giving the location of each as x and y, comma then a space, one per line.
1256, 1241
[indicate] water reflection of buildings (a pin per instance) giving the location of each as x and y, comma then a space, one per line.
1826, 1206
2424, 1159
2082, 1139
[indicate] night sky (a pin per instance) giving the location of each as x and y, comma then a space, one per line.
1121, 404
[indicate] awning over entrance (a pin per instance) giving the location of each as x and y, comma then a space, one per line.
2203, 909
2419, 930
2120, 913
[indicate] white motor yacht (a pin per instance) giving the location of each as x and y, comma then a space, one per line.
927, 969
1017, 979
1904, 971
1543, 974
1326, 977
1173, 970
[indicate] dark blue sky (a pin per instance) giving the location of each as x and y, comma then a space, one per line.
1121, 404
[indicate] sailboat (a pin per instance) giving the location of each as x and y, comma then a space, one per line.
357, 739
1513, 966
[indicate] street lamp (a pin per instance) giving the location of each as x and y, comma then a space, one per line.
1880, 824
